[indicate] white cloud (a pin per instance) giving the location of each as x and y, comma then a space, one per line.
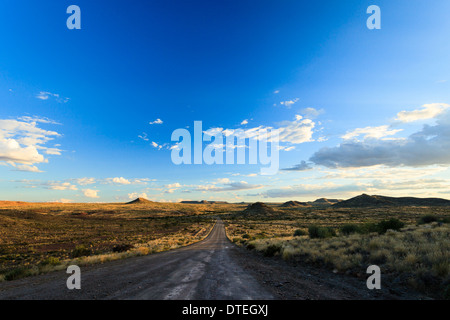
228, 186
124, 181
24, 167
121, 180
223, 180
20, 143
156, 145
381, 172
311, 112
429, 146
53, 185
173, 185
85, 181
286, 148
45, 95
157, 121
38, 119
371, 132
91, 193
331, 189
428, 111
62, 200
143, 136
315, 190
135, 195
289, 103
244, 122
294, 132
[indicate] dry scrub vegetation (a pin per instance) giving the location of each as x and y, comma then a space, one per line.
37, 238
416, 254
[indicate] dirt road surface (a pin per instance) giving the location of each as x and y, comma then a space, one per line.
213, 269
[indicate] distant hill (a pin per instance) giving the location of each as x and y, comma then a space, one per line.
203, 202
324, 202
15, 203
258, 208
140, 201
292, 204
365, 200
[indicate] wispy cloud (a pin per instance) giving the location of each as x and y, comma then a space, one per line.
295, 132
45, 95
371, 132
302, 166
38, 119
143, 136
124, 181
311, 113
289, 103
85, 181
428, 111
228, 186
156, 145
157, 121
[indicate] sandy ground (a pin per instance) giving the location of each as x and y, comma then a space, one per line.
213, 269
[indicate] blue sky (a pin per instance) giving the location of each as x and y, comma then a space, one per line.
362, 110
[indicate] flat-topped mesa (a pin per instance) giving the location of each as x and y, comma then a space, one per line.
140, 201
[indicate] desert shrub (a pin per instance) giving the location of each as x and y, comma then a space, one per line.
143, 251
299, 232
16, 274
446, 293
313, 231
391, 224
321, 232
368, 227
250, 246
122, 247
349, 229
271, 250
428, 218
81, 251
51, 261
246, 236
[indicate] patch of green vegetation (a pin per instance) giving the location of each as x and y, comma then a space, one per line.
81, 251
316, 232
299, 233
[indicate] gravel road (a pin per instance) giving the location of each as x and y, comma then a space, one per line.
213, 269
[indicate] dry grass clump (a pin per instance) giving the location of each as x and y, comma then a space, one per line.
83, 256
417, 255
36, 238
